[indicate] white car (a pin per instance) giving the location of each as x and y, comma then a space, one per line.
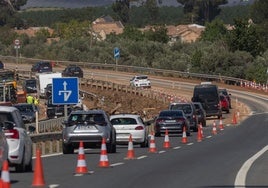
19, 142
140, 81
126, 124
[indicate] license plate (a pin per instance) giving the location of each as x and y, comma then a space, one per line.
85, 127
170, 121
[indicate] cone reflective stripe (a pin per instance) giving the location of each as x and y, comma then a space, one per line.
221, 125
81, 167
234, 121
130, 152
5, 175
166, 141
184, 139
103, 156
201, 130
214, 128
199, 134
38, 179
152, 148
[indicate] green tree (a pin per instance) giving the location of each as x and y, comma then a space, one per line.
157, 34
152, 8
259, 15
245, 37
132, 33
201, 11
8, 10
214, 31
121, 7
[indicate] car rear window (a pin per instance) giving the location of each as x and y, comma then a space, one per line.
171, 113
186, 108
124, 121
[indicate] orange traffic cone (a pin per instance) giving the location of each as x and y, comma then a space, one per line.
199, 134
130, 152
166, 141
234, 120
1, 183
103, 155
184, 139
221, 125
214, 128
5, 175
38, 179
201, 130
81, 167
152, 148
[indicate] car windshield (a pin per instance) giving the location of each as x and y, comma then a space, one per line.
5, 117
123, 121
142, 77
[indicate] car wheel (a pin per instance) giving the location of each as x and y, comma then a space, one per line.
145, 143
111, 147
29, 166
204, 124
228, 111
157, 134
67, 149
22, 166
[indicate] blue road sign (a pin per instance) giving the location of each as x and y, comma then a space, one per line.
116, 52
65, 90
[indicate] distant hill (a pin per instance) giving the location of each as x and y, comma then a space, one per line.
94, 3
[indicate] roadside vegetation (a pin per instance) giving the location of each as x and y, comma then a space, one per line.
240, 52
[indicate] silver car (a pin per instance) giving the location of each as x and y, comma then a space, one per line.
89, 126
18, 139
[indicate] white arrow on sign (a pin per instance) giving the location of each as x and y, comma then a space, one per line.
67, 93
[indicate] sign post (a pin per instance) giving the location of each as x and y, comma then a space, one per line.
17, 47
65, 91
116, 56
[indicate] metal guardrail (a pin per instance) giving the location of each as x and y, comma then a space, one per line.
125, 68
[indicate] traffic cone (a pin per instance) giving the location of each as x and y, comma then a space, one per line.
214, 128
103, 155
5, 175
166, 141
152, 148
81, 167
221, 125
130, 152
199, 134
184, 139
38, 179
201, 130
234, 120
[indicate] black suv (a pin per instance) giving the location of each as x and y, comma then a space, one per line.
42, 66
73, 71
2, 65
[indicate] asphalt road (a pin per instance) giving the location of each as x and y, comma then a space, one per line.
222, 160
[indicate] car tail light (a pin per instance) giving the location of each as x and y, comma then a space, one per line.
160, 120
12, 133
139, 127
180, 120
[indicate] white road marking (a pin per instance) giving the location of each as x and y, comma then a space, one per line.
162, 151
241, 176
116, 164
191, 143
142, 157
178, 147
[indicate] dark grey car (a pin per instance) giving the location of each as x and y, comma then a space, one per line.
28, 112
201, 113
189, 111
89, 126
